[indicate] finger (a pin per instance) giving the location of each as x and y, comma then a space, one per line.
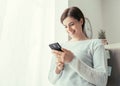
57, 52
62, 59
60, 63
65, 50
60, 67
56, 55
58, 59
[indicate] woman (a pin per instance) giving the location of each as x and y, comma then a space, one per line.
83, 61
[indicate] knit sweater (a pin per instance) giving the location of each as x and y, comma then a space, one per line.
88, 67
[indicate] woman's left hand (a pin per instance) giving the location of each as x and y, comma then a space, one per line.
65, 56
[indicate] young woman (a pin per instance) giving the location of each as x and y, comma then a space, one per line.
83, 61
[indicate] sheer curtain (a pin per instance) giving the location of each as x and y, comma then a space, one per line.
26, 29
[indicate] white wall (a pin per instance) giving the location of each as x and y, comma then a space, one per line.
111, 19
92, 10
60, 33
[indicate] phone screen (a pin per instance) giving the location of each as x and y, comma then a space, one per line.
55, 46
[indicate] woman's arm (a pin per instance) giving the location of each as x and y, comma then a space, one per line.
96, 75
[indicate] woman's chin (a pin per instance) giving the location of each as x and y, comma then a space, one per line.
71, 36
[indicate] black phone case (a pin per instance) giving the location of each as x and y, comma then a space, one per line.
55, 46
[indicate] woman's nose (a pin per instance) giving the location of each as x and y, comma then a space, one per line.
69, 28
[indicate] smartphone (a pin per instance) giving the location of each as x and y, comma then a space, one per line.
55, 46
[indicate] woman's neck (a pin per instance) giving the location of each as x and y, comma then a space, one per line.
80, 37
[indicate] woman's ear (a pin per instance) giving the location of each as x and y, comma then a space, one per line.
81, 21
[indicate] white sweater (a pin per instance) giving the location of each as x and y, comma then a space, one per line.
88, 68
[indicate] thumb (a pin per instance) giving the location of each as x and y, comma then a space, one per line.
63, 49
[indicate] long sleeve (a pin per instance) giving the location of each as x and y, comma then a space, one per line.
53, 77
97, 74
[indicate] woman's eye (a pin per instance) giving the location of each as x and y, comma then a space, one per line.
71, 24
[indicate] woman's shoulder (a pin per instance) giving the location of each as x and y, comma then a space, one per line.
96, 43
96, 40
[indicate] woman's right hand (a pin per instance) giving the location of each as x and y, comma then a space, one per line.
59, 63
63, 57
59, 67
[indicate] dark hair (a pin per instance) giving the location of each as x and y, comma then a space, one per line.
74, 12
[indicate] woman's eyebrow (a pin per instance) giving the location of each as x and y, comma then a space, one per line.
70, 23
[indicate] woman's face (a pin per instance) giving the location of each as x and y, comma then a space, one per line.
73, 26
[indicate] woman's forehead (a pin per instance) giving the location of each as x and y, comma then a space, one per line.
67, 20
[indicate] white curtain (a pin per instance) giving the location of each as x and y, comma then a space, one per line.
26, 29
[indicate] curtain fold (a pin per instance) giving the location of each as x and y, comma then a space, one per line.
26, 29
